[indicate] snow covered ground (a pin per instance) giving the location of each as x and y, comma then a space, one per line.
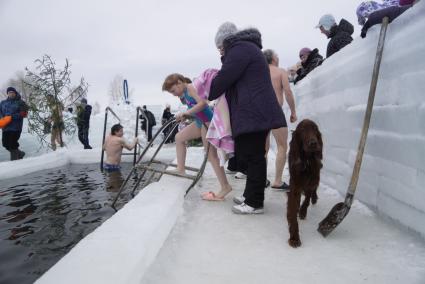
210, 244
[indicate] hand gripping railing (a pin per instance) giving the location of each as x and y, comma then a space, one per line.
144, 168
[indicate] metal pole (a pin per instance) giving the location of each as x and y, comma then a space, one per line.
137, 133
103, 139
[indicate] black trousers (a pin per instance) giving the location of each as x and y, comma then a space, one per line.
232, 164
10, 139
250, 150
149, 133
83, 135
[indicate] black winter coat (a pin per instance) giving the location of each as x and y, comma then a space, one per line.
314, 59
151, 118
83, 115
340, 36
245, 78
166, 115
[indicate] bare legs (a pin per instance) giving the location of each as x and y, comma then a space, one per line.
55, 137
281, 137
215, 163
192, 132
188, 133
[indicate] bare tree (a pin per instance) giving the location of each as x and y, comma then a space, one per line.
50, 92
115, 92
96, 108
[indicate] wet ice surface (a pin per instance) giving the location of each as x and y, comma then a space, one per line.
210, 244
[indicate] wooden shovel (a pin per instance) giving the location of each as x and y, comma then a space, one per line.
340, 210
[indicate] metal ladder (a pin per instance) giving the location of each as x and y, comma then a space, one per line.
140, 169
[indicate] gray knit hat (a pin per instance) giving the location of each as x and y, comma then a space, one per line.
226, 29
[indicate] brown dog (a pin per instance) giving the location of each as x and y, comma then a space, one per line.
305, 162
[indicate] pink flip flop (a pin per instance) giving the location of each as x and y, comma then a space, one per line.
210, 196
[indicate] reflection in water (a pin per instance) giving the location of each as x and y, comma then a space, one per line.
115, 179
44, 214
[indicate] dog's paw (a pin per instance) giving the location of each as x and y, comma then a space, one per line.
314, 198
294, 243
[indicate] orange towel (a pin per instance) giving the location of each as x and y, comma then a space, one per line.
5, 121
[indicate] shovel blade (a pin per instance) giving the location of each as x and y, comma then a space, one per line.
335, 216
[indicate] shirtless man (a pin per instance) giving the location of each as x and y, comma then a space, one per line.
113, 146
281, 85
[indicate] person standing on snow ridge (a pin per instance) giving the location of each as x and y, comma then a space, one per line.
151, 122
56, 121
339, 35
166, 116
310, 59
15, 110
83, 122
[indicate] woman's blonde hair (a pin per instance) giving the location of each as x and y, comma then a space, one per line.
173, 79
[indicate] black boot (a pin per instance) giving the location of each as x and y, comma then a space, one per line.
21, 154
14, 154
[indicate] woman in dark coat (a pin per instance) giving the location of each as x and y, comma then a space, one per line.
254, 110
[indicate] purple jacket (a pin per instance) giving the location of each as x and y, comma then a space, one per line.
245, 78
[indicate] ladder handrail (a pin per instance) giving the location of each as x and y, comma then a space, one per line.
116, 116
152, 160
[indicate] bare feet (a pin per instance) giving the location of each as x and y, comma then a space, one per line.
224, 191
211, 196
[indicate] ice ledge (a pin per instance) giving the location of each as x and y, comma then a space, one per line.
59, 158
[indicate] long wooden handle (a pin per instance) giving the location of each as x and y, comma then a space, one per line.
356, 170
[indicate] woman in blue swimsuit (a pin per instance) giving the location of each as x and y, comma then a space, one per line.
181, 87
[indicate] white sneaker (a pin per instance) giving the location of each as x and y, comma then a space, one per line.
246, 209
240, 175
238, 199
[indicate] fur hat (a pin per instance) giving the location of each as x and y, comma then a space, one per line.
224, 30
327, 22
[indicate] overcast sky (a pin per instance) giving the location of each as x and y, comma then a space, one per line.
144, 41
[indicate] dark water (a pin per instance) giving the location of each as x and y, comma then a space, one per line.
44, 214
